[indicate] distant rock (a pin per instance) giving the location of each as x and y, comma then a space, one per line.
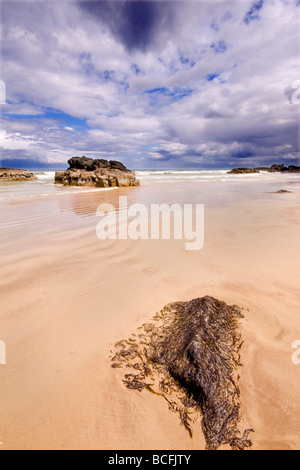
9, 174
292, 169
280, 191
85, 171
237, 171
275, 168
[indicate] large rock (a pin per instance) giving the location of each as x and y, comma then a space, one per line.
8, 174
85, 171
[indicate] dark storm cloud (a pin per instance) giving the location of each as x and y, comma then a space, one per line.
134, 23
28, 163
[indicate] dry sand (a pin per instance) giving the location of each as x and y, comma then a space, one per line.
66, 297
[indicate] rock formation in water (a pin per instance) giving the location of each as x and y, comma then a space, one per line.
276, 168
238, 171
85, 171
8, 174
189, 355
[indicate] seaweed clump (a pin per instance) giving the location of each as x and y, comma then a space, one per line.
189, 355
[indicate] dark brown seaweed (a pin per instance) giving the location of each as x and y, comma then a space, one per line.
189, 355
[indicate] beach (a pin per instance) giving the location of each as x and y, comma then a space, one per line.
67, 297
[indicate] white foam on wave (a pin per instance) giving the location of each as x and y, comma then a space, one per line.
45, 176
172, 176
178, 172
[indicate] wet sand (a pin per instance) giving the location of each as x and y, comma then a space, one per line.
66, 297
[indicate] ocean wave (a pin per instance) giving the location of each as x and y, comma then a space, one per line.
178, 172
172, 176
45, 175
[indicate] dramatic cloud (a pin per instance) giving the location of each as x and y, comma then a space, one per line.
154, 84
136, 24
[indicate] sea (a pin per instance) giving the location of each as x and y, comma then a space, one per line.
33, 212
44, 186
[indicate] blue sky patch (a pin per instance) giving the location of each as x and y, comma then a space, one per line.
185, 60
253, 13
86, 63
51, 114
136, 69
162, 91
211, 76
219, 47
162, 96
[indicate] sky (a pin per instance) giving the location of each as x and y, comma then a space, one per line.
154, 84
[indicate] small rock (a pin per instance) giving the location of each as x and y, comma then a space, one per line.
280, 191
